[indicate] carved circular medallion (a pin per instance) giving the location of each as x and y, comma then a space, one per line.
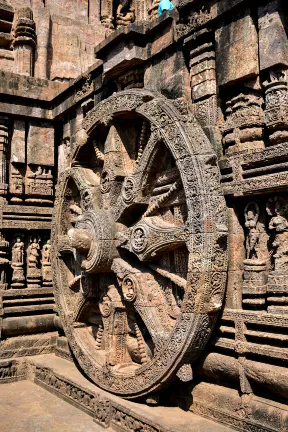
105, 307
152, 294
138, 239
128, 189
129, 289
105, 184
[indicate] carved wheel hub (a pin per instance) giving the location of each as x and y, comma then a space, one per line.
139, 244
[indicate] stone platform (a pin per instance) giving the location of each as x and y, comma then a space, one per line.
38, 409
26, 407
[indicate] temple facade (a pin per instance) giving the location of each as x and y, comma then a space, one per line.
144, 210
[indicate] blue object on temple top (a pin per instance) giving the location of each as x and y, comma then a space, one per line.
164, 5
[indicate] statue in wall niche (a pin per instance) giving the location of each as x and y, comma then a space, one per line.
46, 253
125, 13
277, 208
33, 262
252, 238
64, 152
18, 277
46, 264
255, 278
33, 253
4, 261
18, 252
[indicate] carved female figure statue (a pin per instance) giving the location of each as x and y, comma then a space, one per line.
64, 151
252, 238
32, 253
18, 253
277, 207
46, 264
17, 264
46, 253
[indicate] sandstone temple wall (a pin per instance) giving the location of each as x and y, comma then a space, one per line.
165, 139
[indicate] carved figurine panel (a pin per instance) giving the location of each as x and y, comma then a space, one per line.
138, 255
25, 260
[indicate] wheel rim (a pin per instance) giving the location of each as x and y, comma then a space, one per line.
139, 241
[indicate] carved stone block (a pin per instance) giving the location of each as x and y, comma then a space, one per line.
39, 182
39, 149
273, 45
277, 292
236, 50
254, 285
18, 142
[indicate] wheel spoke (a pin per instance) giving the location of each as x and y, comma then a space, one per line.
140, 289
152, 237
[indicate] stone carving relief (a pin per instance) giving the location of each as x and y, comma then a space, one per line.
266, 263
64, 153
4, 261
16, 187
119, 13
39, 183
255, 265
125, 13
30, 262
128, 265
18, 278
46, 264
277, 209
33, 263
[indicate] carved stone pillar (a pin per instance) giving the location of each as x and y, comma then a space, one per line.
276, 112
141, 10
25, 40
107, 15
254, 285
41, 65
203, 86
203, 71
3, 154
7, 15
4, 261
243, 128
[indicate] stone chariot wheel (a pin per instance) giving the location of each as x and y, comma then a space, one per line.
139, 244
